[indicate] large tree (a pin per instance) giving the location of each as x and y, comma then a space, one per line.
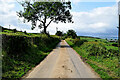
45, 13
59, 33
72, 33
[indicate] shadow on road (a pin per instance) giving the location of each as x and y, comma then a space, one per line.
64, 46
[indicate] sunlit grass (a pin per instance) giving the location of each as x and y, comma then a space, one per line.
106, 63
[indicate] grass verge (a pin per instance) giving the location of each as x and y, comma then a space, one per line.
103, 60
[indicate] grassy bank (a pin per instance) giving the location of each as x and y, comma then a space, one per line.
21, 52
100, 54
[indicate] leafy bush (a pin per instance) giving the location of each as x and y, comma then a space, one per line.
72, 34
95, 40
59, 33
78, 42
115, 44
18, 45
114, 52
21, 53
25, 32
14, 30
8, 31
98, 49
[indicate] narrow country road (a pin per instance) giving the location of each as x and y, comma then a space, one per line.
62, 62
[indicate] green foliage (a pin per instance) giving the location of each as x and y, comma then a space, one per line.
100, 71
96, 49
20, 33
55, 36
17, 44
70, 41
25, 32
92, 39
8, 31
115, 44
72, 34
16, 67
78, 42
75, 41
64, 36
21, 53
41, 11
14, 30
59, 33
102, 56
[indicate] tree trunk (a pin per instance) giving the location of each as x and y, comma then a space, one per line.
45, 30
44, 24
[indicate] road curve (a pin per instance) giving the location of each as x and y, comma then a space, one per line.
62, 62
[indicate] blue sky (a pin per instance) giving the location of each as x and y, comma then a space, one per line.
90, 18
87, 6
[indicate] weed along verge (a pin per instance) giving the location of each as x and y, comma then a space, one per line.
22, 53
101, 55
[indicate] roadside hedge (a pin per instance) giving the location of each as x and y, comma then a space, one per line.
18, 45
22, 53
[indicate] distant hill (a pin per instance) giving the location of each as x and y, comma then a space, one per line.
89, 37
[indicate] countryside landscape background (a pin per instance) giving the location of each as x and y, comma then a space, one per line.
93, 35
91, 18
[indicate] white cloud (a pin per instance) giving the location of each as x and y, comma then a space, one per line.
8, 16
99, 20
7, 1
98, 25
6, 12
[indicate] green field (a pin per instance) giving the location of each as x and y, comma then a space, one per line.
100, 54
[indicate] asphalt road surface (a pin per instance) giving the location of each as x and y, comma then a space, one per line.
62, 62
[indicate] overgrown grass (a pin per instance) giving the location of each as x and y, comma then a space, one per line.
16, 67
19, 58
103, 58
23, 34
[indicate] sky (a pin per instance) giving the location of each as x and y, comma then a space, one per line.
95, 18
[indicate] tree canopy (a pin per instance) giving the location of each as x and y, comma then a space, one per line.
45, 13
59, 33
72, 33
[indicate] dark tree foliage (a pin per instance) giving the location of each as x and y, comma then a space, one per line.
59, 33
14, 30
45, 13
25, 32
72, 33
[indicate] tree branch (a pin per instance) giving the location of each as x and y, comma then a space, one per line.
40, 20
49, 23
